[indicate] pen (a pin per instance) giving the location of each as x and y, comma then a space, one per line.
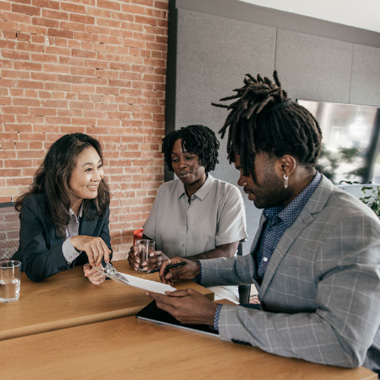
182, 263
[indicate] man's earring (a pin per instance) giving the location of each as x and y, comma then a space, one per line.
286, 181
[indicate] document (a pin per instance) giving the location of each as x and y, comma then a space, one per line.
151, 286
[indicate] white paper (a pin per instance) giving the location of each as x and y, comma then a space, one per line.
151, 286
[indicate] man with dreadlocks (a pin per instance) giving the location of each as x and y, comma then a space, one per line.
315, 259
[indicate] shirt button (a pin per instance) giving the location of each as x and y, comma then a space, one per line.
265, 259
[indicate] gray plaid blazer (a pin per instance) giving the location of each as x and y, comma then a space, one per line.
320, 296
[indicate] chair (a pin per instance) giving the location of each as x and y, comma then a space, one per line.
9, 230
244, 290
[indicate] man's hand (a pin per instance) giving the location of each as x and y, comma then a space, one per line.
187, 306
187, 272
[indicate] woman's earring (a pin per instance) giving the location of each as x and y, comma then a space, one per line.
286, 181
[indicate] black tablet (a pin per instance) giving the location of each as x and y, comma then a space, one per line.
152, 313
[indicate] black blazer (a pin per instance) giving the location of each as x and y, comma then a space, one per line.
40, 249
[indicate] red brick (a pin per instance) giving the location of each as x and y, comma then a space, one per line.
18, 181
162, 4
10, 54
146, 20
17, 163
7, 154
109, 4
82, 122
4, 173
42, 111
109, 23
30, 66
26, 102
46, 4
44, 77
83, 54
135, 9
156, 13
56, 68
48, 22
44, 58
5, 5
31, 11
60, 33
6, 44
55, 14
73, 7
82, 19
72, 61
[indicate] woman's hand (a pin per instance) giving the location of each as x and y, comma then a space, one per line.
94, 274
133, 258
155, 260
95, 247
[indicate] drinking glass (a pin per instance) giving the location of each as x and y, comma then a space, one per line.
144, 248
10, 280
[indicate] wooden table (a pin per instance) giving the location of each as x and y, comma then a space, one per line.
128, 348
68, 299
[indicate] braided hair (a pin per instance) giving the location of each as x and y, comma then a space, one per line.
197, 139
264, 119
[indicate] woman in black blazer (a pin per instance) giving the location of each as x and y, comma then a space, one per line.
64, 217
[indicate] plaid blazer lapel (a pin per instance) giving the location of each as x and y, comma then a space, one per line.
315, 205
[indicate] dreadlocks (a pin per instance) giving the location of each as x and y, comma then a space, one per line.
264, 119
196, 139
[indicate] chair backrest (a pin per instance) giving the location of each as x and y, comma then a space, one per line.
9, 230
244, 290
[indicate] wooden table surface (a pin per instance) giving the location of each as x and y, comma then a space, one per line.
129, 348
68, 299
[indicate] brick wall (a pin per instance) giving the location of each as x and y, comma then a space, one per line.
91, 66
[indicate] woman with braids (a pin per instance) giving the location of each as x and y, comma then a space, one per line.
315, 259
195, 216
64, 217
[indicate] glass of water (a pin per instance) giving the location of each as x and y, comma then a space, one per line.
10, 271
144, 248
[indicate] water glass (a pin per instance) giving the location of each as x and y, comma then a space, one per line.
10, 271
144, 248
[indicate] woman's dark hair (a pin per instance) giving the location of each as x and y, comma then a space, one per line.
53, 176
264, 119
197, 139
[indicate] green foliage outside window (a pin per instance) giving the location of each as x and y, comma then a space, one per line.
371, 197
329, 161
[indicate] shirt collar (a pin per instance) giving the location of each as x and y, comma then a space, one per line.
202, 192
75, 218
290, 213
